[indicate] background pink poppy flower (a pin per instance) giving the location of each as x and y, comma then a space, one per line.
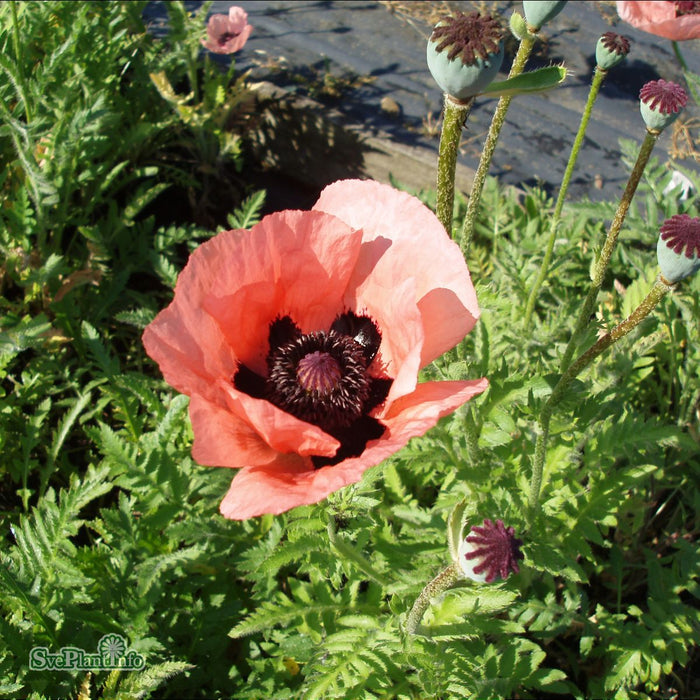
299, 342
678, 21
228, 33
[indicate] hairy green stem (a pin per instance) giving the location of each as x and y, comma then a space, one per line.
18, 43
444, 580
598, 78
497, 121
658, 291
686, 71
455, 115
605, 254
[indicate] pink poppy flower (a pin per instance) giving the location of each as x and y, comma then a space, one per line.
678, 21
228, 34
299, 343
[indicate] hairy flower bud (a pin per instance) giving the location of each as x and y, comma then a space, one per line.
489, 552
678, 249
660, 103
464, 53
539, 12
610, 50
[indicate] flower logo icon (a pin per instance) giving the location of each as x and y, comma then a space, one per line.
112, 646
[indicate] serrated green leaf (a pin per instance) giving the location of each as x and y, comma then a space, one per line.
460, 603
533, 81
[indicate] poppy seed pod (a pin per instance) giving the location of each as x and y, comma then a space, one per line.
660, 103
489, 552
539, 12
610, 50
464, 53
678, 249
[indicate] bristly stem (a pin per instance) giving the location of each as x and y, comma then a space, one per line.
601, 264
686, 71
497, 121
455, 116
658, 291
444, 580
598, 78
18, 44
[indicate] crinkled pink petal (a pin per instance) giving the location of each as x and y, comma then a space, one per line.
238, 42
217, 26
402, 237
236, 283
270, 489
659, 18
248, 431
281, 430
238, 18
224, 440
188, 346
393, 308
292, 262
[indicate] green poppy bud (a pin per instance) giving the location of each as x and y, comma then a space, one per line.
660, 103
518, 26
678, 249
465, 53
610, 50
539, 12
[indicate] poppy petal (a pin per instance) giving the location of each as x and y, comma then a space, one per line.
658, 17
288, 264
224, 440
188, 346
251, 431
238, 18
269, 489
392, 306
281, 430
402, 237
238, 42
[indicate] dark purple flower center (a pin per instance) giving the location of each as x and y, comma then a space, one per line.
497, 547
226, 37
616, 43
682, 235
319, 377
687, 8
323, 378
664, 96
470, 36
